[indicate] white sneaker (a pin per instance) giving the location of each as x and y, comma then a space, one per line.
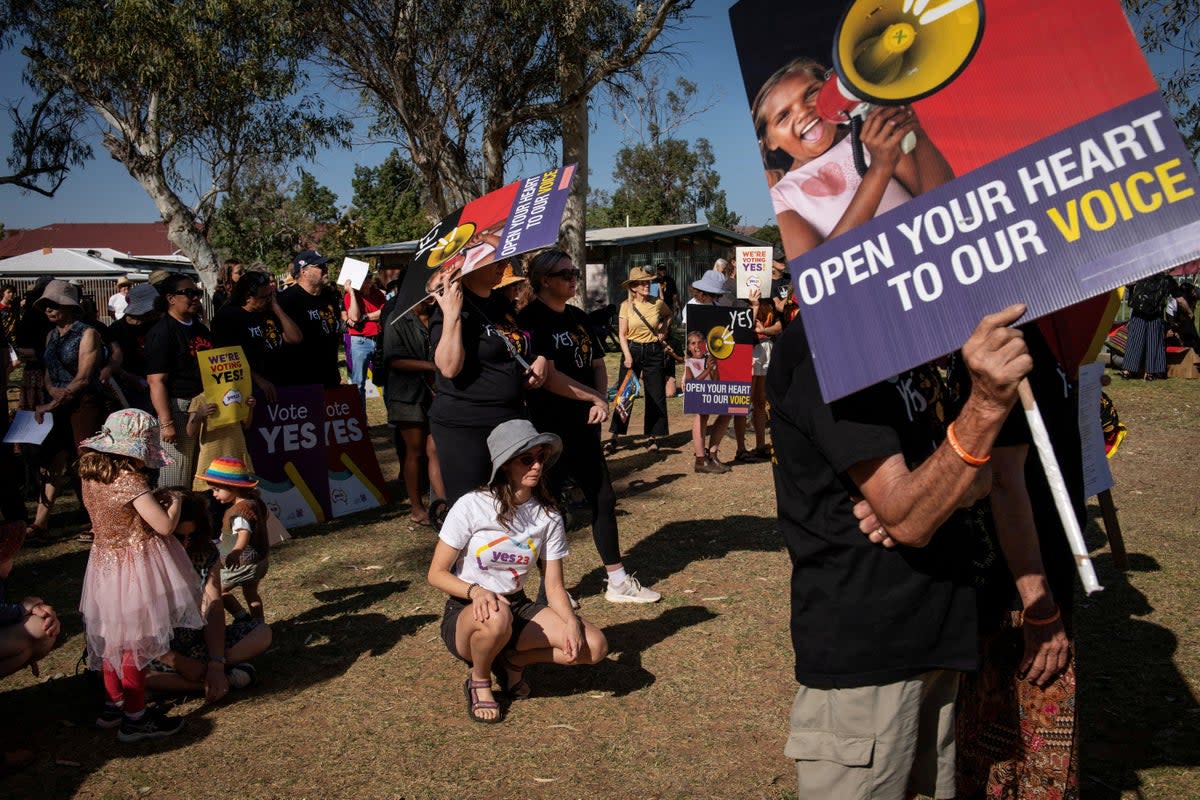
631, 592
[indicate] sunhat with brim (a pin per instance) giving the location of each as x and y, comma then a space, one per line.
711, 282
133, 433
510, 439
124, 282
639, 275
60, 293
509, 277
228, 471
142, 299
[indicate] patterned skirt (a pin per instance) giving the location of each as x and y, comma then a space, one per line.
1016, 741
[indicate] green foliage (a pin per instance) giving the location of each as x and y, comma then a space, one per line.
257, 221
1171, 28
388, 202
666, 182
770, 233
718, 212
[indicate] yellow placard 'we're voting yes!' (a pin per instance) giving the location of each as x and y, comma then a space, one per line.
226, 378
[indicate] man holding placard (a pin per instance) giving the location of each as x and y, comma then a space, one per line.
883, 632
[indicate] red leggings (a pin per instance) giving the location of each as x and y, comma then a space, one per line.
129, 685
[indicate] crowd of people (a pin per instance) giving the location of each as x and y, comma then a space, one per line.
931, 588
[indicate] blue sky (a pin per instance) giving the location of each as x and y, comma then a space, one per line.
102, 191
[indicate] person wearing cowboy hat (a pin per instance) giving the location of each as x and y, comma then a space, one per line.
485, 549
642, 326
118, 302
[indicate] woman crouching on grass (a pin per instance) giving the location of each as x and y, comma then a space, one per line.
486, 546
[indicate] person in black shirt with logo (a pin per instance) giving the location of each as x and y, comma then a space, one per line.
888, 629
484, 364
317, 311
174, 373
573, 405
253, 319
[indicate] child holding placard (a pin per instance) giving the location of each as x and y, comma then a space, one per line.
225, 441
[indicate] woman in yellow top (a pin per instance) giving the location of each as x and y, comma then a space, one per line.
642, 325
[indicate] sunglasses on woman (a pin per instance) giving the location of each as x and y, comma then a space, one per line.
566, 274
529, 459
190, 294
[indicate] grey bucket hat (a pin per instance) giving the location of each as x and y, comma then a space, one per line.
510, 439
142, 299
711, 282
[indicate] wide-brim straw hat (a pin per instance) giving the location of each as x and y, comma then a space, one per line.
510, 439
228, 471
133, 433
639, 275
509, 277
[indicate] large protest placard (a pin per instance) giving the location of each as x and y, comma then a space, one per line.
752, 268
355, 480
1046, 168
225, 376
287, 445
313, 455
514, 219
720, 352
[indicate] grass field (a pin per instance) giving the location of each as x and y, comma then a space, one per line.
359, 699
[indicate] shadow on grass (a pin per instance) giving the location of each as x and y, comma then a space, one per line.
675, 545
322, 642
622, 674
69, 752
1136, 710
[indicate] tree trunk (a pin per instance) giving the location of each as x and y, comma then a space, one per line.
493, 159
182, 226
573, 233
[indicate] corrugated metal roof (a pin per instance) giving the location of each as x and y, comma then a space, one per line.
61, 262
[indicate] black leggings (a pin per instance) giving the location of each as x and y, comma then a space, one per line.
647, 365
463, 454
583, 460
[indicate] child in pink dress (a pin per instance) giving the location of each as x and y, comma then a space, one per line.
139, 584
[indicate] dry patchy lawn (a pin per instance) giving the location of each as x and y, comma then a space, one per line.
359, 699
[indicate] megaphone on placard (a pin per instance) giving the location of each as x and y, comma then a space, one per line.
892, 52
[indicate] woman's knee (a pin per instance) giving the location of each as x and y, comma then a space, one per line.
597, 643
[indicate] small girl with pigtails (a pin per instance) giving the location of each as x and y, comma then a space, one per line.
139, 584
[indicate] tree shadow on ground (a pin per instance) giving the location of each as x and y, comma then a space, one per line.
623, 673
323, 642
1136, 710
672, 547
68, 752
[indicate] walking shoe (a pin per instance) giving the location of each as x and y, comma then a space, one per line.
240, 676
110, 717
631, 592
721, 467
706, 466
152, 725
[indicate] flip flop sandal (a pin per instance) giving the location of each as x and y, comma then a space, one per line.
608, 448
474, 704
515, 691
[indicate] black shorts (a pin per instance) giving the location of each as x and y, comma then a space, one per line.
523, 610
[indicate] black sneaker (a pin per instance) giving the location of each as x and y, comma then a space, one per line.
110, 717
152, 725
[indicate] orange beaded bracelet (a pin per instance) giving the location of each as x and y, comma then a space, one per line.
973, 461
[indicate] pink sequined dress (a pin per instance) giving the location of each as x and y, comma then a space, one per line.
138, 585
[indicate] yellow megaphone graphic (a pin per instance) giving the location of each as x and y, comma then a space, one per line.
720, 342
892, 52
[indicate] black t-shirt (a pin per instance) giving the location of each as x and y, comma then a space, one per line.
171, 348
131, 339
862, 614
1058, 401
315, 359
566, 340
488, 389
258, 333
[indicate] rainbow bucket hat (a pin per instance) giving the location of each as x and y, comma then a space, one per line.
228, 471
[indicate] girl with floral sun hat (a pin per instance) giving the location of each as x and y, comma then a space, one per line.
139, 585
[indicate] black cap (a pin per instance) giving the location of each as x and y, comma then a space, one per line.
308, 258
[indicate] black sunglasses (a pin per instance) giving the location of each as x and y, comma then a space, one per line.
191, 294
565, 274
529, 459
